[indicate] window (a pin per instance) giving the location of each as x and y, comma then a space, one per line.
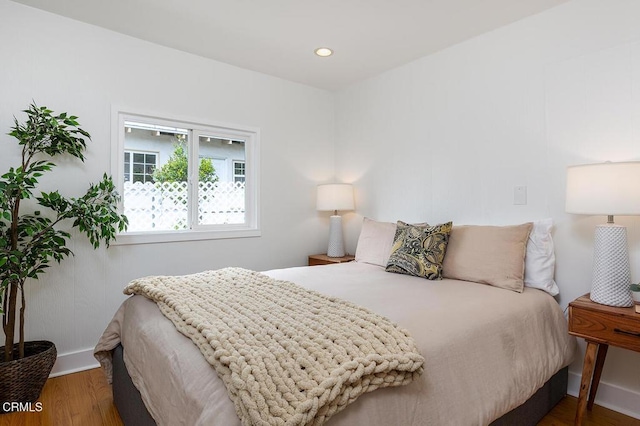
238, 171
175, 182
139, 166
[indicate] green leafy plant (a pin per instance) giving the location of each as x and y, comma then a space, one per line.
30, 241
634, 287
176, 168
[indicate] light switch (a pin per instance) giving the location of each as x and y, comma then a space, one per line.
519, 195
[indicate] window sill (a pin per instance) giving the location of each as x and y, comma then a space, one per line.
130, 238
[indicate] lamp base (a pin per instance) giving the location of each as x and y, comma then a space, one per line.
611, 273
336, 243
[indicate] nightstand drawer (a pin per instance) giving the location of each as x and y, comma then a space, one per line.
622, 331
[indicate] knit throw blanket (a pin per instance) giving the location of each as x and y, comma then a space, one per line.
287, 355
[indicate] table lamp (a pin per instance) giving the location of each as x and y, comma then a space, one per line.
607, 189
334, 197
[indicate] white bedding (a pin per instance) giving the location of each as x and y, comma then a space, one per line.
486, 349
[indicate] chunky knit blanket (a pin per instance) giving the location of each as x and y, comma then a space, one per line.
287, 355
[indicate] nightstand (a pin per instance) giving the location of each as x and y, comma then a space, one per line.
600, 326
323, 259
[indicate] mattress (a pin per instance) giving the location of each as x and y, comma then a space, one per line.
486, 349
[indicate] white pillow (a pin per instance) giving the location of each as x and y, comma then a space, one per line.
375, 241
540, 260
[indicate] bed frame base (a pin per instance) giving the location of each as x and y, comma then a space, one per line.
132, 410
126, 396
536, 407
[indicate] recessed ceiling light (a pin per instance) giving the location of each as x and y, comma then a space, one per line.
323, 51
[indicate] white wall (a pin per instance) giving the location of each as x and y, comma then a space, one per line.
448, 136
84, 70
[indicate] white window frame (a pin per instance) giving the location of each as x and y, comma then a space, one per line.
251, 136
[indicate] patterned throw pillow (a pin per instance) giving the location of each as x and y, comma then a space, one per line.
419, 250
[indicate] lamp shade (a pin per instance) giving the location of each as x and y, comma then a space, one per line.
335, 196
604, 189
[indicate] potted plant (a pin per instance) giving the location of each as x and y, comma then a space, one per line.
30, 241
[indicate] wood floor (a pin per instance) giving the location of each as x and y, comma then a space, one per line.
79, 399
84, 399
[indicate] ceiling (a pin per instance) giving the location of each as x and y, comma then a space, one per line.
278, 37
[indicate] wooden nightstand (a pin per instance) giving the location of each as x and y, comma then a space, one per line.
323, 259
600, 326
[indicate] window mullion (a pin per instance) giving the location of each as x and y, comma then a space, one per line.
193, 178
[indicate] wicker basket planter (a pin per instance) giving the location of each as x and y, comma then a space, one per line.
22, 380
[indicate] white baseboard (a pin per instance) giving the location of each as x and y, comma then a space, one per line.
73, 362
615, 398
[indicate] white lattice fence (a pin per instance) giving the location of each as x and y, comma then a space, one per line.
220, 202
163, 206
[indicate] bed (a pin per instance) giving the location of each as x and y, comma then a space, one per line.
492, 356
